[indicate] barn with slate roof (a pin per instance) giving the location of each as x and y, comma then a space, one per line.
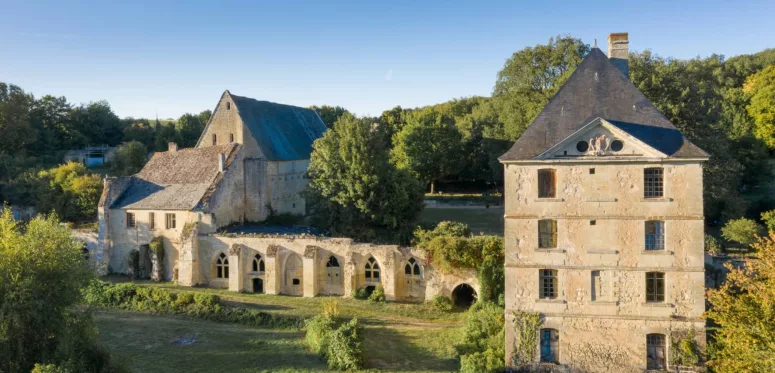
604, 226
249, 162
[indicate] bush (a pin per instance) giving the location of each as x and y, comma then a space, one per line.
481, 347
319, 330
685, 351
712, 246
441, 303
378, 295
128, 296
768, 217
345, 347
361, 294
49, 368
331, 308
742, 231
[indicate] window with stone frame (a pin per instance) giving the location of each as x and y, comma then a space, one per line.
215, 139
170, 220
151, 220
655, 235
372, 270
547, 183
547, 280
653, 182
412, 268
655, 287
222, 266
550, 346
258, 263
547, 234
231, 137
130, 220
656, 352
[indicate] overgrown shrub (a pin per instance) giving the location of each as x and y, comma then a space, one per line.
318, 333
130, 297
481, 347
685, 351
712, 246
441, 303
345, 347
331, 308
450, 246
48, 368
361, 294
378, 295
157, 252
742, 231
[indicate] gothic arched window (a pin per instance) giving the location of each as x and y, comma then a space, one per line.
222, 266
412, 268
258, 263
372, 270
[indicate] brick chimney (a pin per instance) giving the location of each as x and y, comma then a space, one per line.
619, 50
172, 147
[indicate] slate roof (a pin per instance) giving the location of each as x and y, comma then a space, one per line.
180, 180
597, 89
283, 132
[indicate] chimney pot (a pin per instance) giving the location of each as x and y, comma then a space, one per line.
619, 51
172, 147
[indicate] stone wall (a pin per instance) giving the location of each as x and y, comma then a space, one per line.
601, 212
306, 260
286, 181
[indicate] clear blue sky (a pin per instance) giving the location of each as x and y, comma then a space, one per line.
149, 57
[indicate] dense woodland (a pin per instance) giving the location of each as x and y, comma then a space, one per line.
726, 106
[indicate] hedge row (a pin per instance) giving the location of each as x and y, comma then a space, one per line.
131, 297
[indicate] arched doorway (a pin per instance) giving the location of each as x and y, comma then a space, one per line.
463, 295
294, 275
258, 285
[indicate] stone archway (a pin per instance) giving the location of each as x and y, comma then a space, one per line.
294, 276
464, 295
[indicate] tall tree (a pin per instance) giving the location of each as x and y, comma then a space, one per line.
428, 146
15, 127
744, 309
70, 190
355, 191
43, 273
760, 87
329, 114
129, 158
531, 77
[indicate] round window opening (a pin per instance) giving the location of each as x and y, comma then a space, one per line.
617, 145
582, 146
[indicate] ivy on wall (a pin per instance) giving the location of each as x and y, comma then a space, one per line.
526, 325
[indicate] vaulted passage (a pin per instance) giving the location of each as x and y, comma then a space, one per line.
463, 296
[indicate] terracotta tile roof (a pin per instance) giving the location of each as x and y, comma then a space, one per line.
177, 180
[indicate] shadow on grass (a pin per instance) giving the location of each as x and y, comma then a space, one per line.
396, 349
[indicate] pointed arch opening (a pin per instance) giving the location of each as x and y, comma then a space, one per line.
373, 272
258, 264
222, 266
333, 272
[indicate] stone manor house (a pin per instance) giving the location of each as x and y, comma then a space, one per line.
604, 225
249, 162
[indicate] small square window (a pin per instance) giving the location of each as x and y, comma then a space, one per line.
591, 171
296, 281
593, 222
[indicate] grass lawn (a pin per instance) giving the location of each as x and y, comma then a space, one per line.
398, 337
480, 220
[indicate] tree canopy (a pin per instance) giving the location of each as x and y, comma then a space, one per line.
355, 191
744, 309
44, 271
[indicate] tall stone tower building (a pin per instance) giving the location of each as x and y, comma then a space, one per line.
604, 225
